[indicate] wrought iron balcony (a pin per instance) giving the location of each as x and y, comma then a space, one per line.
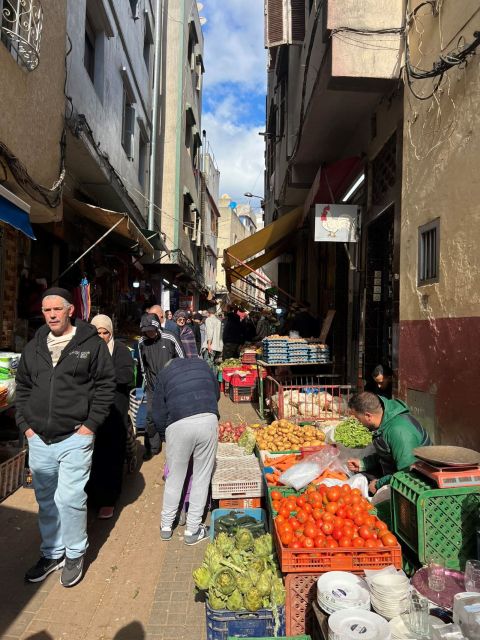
21, 24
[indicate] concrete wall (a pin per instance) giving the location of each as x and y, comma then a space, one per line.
119, 45
440, 323
32, 106
230, 231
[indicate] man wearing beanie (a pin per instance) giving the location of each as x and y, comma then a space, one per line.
65, 387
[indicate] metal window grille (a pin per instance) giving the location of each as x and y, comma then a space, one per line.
429, 252
128, 125
21, 23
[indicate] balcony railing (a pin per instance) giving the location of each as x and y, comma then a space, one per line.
21, 24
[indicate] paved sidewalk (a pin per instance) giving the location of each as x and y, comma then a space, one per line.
135, 586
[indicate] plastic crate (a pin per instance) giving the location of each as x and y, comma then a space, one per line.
258, 514
242, 394
339, 559
242, 480
243, 624
11, 473
237, 380
229, 450
301, 591
435, 521
240, 503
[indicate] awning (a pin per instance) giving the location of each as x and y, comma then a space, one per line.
155, 239
333, 180
272, 240
14, 212
124, 225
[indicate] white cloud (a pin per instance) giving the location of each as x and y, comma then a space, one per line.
239, 152
234, 51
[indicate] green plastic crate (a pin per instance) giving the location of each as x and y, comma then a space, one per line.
435, 521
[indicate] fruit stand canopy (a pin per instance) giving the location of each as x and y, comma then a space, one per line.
241, 258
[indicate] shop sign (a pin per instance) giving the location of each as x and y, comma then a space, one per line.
185, 303
336, 223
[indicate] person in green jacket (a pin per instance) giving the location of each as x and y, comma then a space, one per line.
395, 434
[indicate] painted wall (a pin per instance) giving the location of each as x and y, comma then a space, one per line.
230, 231
440, 323
120, 46
32, 133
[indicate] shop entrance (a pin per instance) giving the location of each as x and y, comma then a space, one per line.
379, 300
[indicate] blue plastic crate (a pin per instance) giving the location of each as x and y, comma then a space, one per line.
258, 514
243, 624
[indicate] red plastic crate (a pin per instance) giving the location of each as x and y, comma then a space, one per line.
240, 503
237, 380
301, 591
341, 559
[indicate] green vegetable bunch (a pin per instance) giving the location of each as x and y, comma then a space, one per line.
240, 572
230, 362
351, 433
248, 440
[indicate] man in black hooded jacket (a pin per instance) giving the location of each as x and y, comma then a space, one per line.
65, 387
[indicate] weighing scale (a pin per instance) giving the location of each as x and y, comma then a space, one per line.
448, 477
448, 466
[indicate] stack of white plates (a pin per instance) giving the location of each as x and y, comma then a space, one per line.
389, 594
338, 590
399, 628
353, 624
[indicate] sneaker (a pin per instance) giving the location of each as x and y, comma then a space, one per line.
43, 567
182, 518
166, 534
105, 513
72, 571
198, 536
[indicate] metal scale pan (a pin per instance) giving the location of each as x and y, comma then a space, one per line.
448, 456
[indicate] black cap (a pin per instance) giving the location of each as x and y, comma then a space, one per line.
58, 291
149, 321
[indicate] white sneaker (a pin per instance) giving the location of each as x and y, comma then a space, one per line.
198, 536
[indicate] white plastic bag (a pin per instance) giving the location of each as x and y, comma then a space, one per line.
304, 472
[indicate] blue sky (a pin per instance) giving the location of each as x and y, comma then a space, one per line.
234, 92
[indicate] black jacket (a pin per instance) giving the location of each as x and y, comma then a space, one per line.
54, 401
233, 330
154, 355
185, 388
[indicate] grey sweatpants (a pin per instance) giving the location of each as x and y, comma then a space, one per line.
195, 436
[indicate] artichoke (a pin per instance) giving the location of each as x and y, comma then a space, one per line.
202, 578
244, 540
215, 600
212, 559
244, 584
235, 601
225, 581
253, 575
257, 565
277, 594
263, 546
264, 584
253, 600
224, 543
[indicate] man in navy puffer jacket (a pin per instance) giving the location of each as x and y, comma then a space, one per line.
185, 412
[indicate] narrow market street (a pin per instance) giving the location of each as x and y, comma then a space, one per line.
135, 586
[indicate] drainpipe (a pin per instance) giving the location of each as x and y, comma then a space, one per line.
156, 97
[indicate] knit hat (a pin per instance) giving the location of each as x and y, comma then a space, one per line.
179, 314
149, 321
60, 292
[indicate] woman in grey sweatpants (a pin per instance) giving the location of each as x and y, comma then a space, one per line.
185, 410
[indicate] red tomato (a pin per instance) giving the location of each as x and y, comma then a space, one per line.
333, 494
331, 544
327, 517
286, 538
348, 531
359, 519
279, 519
320, 541
294, 523
364, 532
295, 545
389, 540
341, 511
337, 533
345, 542
308, 507
317, 514
370, 544
276, 505
302, 516
331, 507
381, 526
322, 489
310, 531
285, 512
285, 527
308, 543
301, 500
276, 495
327, 528
339, 522
358, 543
349, 513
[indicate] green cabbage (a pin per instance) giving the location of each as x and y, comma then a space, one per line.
202, 578
244, 584
225, 581
224, 543
244, 540
277, 594
235, 601
264, 583
253, 600
215, 600
263, 546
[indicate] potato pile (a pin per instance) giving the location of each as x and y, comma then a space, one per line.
282, 435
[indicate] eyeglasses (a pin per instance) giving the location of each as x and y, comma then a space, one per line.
181, 319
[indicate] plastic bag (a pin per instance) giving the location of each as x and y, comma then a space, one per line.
304, 472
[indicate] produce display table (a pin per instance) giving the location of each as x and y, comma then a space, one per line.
269, 365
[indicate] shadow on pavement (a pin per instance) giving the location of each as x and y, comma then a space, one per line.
133, 631
41, 635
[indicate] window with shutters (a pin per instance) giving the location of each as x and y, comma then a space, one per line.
284, 22
429, 252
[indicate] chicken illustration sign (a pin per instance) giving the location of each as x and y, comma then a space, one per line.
336, 222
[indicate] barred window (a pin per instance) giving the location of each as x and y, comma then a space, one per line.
429, 252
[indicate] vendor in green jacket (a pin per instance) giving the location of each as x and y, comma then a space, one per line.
395, 434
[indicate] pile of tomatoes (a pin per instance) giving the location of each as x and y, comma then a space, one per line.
328, 518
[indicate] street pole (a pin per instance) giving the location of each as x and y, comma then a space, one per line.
155, 101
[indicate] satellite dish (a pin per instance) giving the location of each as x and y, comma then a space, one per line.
199, 6
233, 205
203, 20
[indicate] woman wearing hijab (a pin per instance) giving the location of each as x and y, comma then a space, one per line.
105, 483
186, 334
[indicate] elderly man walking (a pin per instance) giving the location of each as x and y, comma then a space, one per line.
65, 387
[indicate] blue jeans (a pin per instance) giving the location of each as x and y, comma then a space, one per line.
60, 472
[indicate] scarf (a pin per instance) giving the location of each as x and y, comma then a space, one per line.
103, 322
